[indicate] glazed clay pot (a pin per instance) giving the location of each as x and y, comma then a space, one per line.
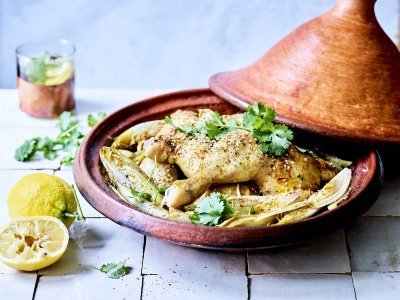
91, 180
336, 75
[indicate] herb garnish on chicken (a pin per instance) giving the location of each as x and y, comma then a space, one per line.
274, 139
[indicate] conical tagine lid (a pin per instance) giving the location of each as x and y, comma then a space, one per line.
337, 75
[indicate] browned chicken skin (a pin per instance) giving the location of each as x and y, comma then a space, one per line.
234, 158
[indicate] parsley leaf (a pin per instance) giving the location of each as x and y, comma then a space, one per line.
211, 211
66, 121
71, 133
163, 189
187, 129
26, 151
258, 115
47, 146
115, 271
307, 151
215, 128
251, 210
140, 196
68, 159
92, 120
274, 139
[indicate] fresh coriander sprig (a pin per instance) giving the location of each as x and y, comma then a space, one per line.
36, 71
251, 210
211, 211
182, 128
163, 189
143, 195
274, 139
71, 134
26, 151
79, 214
140, 196
307, 151
114, 270
80, 217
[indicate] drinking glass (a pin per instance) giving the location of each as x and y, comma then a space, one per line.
45, 77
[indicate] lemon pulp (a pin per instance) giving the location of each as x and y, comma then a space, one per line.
32, 243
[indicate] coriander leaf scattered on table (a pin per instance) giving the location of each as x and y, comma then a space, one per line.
66, 121
68, 159
211, 211
71, 133
26, 151
274, 139
92, 120
115, 270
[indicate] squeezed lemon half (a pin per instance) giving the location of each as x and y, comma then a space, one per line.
32, 243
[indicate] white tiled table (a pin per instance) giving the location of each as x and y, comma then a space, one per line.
361, 262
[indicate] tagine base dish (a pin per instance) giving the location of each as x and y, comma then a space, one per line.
92, 183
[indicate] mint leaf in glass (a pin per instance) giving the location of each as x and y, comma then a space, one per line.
36, 71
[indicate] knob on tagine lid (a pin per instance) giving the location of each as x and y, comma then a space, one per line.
337, 75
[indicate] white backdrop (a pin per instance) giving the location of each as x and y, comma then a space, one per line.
155, 43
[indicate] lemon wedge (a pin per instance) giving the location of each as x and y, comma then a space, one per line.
58, 74
32, 243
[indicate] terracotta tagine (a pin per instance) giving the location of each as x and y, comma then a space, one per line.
91, 181
336, 75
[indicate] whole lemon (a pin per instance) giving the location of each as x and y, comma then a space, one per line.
41, 194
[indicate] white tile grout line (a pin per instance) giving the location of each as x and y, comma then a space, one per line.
35, 169
27, 127
348, 255
354, 287
36, 285
141, 288
247, 274
300, 273
141, 268
248, 277
347, 247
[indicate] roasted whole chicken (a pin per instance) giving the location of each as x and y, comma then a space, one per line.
199, 160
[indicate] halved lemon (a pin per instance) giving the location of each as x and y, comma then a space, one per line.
32, 243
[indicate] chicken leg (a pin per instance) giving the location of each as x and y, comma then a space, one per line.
237, 158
